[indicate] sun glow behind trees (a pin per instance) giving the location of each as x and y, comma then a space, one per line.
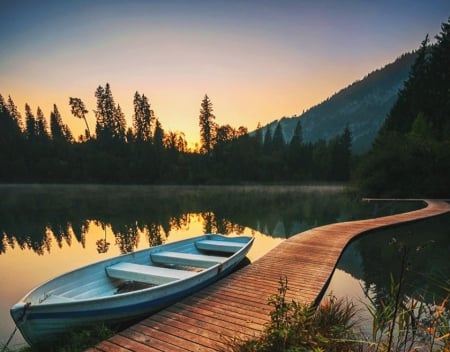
259, 61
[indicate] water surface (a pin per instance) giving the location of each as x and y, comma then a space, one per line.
48, 230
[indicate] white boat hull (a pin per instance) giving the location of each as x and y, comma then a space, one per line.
86, 296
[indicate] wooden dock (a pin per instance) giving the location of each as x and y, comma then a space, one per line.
237, 305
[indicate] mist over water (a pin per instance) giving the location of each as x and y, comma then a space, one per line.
47, 230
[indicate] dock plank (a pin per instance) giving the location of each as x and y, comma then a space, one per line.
237, 306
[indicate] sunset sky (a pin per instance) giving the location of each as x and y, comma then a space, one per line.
257, 60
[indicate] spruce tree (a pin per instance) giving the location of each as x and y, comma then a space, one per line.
267, 146
143, 118
9, 128
411, 96
59, 131
158, 138
30, 124
297, 138
41, 125
110, 119
120, 124
14, 113
207, 126
278, 139
439, 88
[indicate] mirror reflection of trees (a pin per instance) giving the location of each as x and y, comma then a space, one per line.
39, 217
377, 256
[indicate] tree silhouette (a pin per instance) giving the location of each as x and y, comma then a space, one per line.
110, 123
79, 110
30, 123
158, 139
143, 118
59, 131
41, 125
207, 126
14, 113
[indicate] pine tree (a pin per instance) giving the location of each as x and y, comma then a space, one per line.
278, 139
143, 118
297, 138
30, 124
110, 119
41, 125
158, 139
9, 128
59, 131
79, 110
341, 156
411, 96
100, 114
207, 126
15, 114
439, 89
411, 154
120, 125
267, 146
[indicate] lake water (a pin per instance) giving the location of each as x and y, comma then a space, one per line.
48, 230
369, 261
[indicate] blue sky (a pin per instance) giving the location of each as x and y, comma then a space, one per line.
257, 60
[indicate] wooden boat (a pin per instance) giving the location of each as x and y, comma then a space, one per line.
126, 287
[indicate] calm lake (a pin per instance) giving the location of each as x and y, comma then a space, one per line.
48, 230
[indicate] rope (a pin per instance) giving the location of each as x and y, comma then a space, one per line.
9, 340
15, 329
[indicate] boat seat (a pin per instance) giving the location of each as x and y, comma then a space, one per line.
147, 274
56, 299
188, 259
219, 246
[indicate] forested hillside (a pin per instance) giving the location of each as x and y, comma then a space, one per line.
363, 106
411, 154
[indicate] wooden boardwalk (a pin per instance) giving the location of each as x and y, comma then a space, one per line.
237, 305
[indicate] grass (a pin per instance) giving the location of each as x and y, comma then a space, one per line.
76, 341
297, 327
400, 324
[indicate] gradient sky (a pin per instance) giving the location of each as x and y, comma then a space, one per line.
257, 60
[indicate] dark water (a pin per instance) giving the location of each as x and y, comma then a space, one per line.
367, 265
47, 230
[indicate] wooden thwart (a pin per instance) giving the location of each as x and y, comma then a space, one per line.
219, 246
187, 259
148, 274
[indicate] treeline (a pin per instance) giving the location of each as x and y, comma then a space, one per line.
33, 150
411, 155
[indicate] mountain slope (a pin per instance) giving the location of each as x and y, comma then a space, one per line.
363, 106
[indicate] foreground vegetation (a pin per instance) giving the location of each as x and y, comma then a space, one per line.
400, 323
77, 341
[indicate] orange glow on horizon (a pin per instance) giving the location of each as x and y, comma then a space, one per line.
258, 62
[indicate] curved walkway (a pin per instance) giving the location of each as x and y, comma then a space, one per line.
237, 305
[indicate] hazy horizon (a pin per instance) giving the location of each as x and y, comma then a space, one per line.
257, 60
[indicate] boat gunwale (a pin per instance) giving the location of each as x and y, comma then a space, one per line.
118, 259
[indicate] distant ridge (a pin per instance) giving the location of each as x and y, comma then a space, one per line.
362, 106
